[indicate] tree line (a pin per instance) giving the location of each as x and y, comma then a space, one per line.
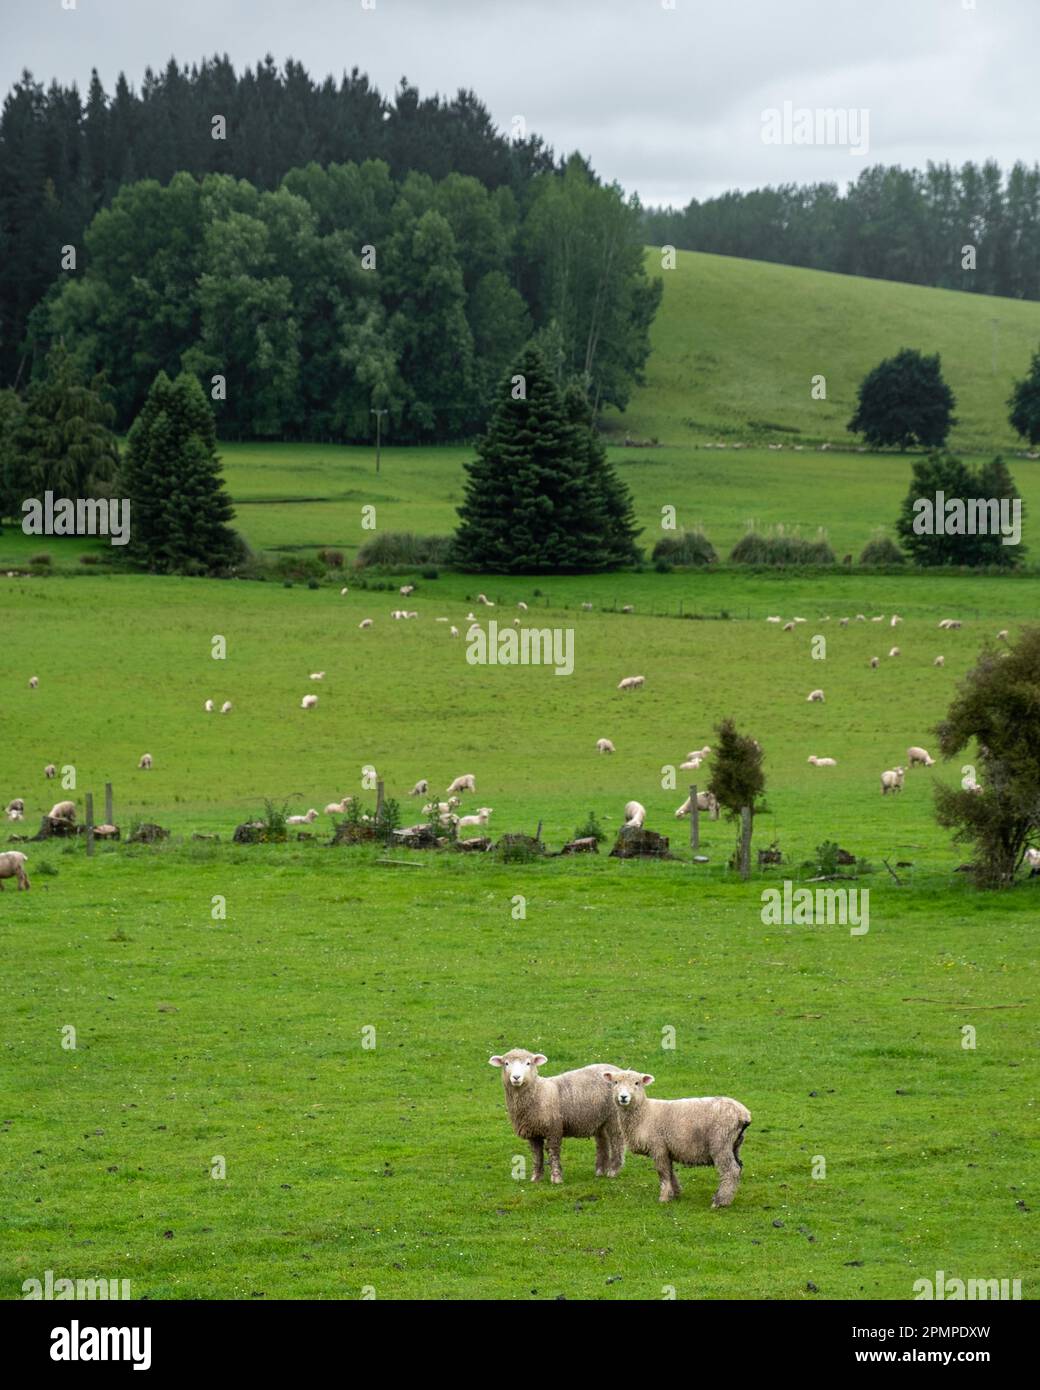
890, 224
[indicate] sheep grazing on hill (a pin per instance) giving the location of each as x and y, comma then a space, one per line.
950, 624
226, 707
875, 662
343, 591
635, 815
604, 745
1002, 635
815, 697
365, 622
12, 865
586, 607
939, 661
776, 619
482, 598
788, 627
480, 820
454, 632
700, 1132
33, 682
822, 762
50, 770
522, 605
421, 788
311, 815
705, 802
466, 783
309, 702
145, 762
892, 781
628, 608
209, 707
861, 618
17, 804
631, 683
895, 620
62, 810
545, 1110
894, 651
317, 675
843, 622
919, 757
699, 752
879, 619
406, 589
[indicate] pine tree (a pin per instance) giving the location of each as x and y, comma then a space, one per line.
1025, 403
62, 440
613, 500
178, 506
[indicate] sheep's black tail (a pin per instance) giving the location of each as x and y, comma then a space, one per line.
737, 1143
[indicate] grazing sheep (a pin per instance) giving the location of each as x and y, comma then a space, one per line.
522, 605
815, 697
774, 620
338, 808
465, 783
894, 651
17, 804
788, 627
343, 591
311, 815
209, 707
14, 814
421, 788
705, 802
635, 815
843, 622
146, 762
939, 661
398, 613
62, 810
50, 770
309, 702
892, 781
317, 675
631, 683
950, 624
586, 607
480, 819
482, 598
699, 752
628, 608
33, 682
226, 707
699, 1132
604, 745
1002, 635
365, 622
861, 618
548, 1109
1032, 858
406, 589
822, 762
880, 619
875, 662
800, 620
454, 632
896, 620
691, 764
12, 865
916, 757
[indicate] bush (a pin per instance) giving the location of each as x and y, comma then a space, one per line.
42, 561
332, 558
404, 548
591, 830
663, 567
780, 549
905, 401
430, 572
882, 550
685, 548
313, 584
90, 557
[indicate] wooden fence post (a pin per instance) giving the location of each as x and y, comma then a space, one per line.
695, 824
90, 822
108, 804
538, 832
745, 842
379, 799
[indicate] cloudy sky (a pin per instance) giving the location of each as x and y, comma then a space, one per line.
665, 96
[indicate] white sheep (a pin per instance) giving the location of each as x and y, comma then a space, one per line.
705, 802
586, 607
522, 606
50, 770
698, 1131
226, 707
365, 622
317, 675
13, 813
545, 1110
875, 662
788, 627
604, 745
919, 757
861, 618
62, 810
466, 783
635, 815
33, 682
939, 661
480, 819
309, 702
843, 622
895, 620
12, 865
1002, 635
822, 762
800, 620
343, 591
1032, 858
894, 651
815, 697
406, 589
699, 752
454, 632
338, 808
892, 781
631, 683
628, 608
421, 788
311, 815
774, 620
692, 763
209, 707
482, 598
145, 762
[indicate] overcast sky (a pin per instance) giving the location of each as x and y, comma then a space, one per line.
665, 96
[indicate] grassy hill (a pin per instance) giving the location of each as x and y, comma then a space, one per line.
736, 343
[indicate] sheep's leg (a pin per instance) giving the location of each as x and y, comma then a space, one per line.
616, 1142
555, 1167
663, 1164
23, 881
727, 1166
537, 1159
602, 1152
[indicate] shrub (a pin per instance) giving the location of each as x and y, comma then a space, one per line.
430, 572
591, 830
905, 401
90, 557
777, 548
663, 567
42, 561
332, 558
404, 548
313, 584
882, 550
685, 548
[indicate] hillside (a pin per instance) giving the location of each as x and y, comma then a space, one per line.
736, 343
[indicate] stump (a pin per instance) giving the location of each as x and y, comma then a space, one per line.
844, 857
57, 827
587, 845
637, 843
200, 836
477, 843
248, 834
354, 833
769, 856
106, 832
148, 834
417, 837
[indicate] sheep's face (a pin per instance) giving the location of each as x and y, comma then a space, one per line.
518, 1066
628, 1086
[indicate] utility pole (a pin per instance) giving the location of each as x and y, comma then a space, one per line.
379, 421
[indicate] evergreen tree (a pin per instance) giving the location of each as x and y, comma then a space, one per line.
995, 481
905, 401
931, 541
611, 497
171, 474
1024, 402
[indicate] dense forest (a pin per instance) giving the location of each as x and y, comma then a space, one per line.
890, 224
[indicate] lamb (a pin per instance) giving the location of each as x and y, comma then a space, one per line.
309, 702
699, 752
919, 757
62, 810
861, 617
1032, 858
338, 808
950, 624
892, 781
843, 622
815, 697
16, 805
226, 707
209, 707
421, 788
365, 622
12, 865
691, 764
939, 661
480, 819
50, 770
635, 815
317, 675
145, 763
628, 608
13, 813
586, 607
895, 652
875, 662
631, 683
466, 783
698, 1131
822, 762
343, 591
311, 815
604, 745
1002, 635
705, 802
33, 682
548, 1109
774, 620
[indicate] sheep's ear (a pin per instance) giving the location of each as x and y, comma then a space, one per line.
608, 1076
539, 1059
496, 1061
648, 1080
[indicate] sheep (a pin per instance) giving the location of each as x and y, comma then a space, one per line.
774, 620
880, 619
311, 815
50, 770
365, 622
799, 620
875, 662
482, 598
406, 589
62, 810
892, 781
950, 624
480, 819
145, 763
398, 613
822, 762
919, 757
209, 707
13, 813
33, 682
344, 590
861, 618
545, 1110
1002, 635
843, 622
17, 804
788, 627
421, 788
586, 607
691, 764
317, 675
337, 808
1032, 858
939, 661
604, 745
815, 697
443, 808
466, 783
309, 702
635, 815
700, 752
454, 632
226, 707
698, 1131
411, 615
705, 802
12, 865
522, 605
896, 620
894, 651
631, 683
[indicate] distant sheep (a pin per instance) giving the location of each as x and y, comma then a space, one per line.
545, 1110
521, 605
1002, 635
895, 621
843, 622
13, 813
919, 757
406, 589
12, 865
892, 781
317, 675
309, 702
586, 607
226, 707
466, 783
774, 620
939, 661
50, 770
894, 651
635, 815
454, 632
338, 808
482, 598
628, 608
788, 627
705, 802
33, 682
699, 1132
343, 591
822, 762
691, 764
951, 624
875, 662
365, 622
62, 810
604, 745
631, 683
209, 706
421, 788
311, 815
17, 804
1032, 858
145, 762
815, 697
